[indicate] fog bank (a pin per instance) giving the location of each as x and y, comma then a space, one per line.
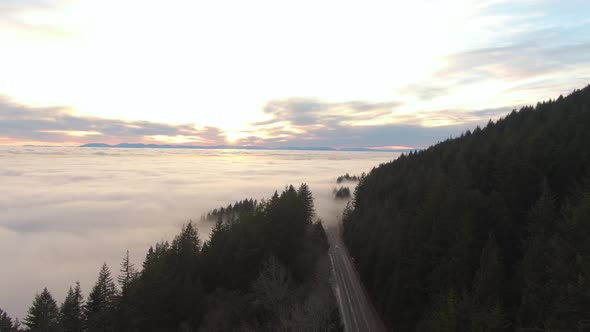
65, 211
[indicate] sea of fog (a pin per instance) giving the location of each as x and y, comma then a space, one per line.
65, 211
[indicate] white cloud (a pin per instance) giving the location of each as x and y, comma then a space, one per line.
67, 210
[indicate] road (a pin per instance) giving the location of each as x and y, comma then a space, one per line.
356, 310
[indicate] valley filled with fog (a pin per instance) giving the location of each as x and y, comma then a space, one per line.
65, 211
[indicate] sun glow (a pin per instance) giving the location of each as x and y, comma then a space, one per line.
74, 133
178, 72
178, 139
218, 65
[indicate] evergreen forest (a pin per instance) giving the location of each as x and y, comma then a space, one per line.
484, 232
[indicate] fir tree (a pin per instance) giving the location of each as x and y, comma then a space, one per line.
100, 306
187, 243
185, 285
43, 315
17, 326
306, 198
5, 322
536, 296
487, 313
71, 311
569, 271
126, 313
127, 276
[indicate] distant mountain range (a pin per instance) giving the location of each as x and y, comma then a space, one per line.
203, 147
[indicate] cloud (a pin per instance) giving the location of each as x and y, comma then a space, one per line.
72, 208
513, 54
305, 122
57, 125
14, 7
33, 17
517, 61
539, 50
310, 111
313, 123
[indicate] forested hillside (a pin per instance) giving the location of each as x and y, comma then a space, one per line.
264, 268
486, 232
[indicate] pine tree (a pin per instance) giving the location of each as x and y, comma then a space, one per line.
71, 311
126, 312
100, 307
446, 316
569, 271
306, 198
43, 315
488, 281
218, 230
487, 313
5, 322
536, 296
17, 326
186, 285
127, 276
271, 289
187, 243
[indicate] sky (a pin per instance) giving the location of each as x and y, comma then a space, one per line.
280, 73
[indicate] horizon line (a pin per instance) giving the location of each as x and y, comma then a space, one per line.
230, 147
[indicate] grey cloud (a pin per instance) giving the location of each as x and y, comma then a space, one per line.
534, 67
332, 124
369, 136
316, 123
538, 54
309, 111
519, 60
43, 124
541, 53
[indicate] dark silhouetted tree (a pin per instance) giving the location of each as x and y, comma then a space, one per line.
101, 304
5, 322
126, 310
71, 315
536, 296
306, 199
127, 275
43, 315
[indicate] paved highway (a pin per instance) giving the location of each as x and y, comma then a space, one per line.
356, 310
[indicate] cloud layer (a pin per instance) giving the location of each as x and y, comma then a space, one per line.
57, 125
302, 122
67, 210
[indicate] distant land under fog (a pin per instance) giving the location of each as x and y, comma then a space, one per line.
288, 148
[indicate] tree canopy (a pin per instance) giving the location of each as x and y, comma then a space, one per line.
482, 232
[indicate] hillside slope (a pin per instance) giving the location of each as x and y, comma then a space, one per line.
485, 232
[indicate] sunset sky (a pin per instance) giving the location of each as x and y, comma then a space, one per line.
277, 73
